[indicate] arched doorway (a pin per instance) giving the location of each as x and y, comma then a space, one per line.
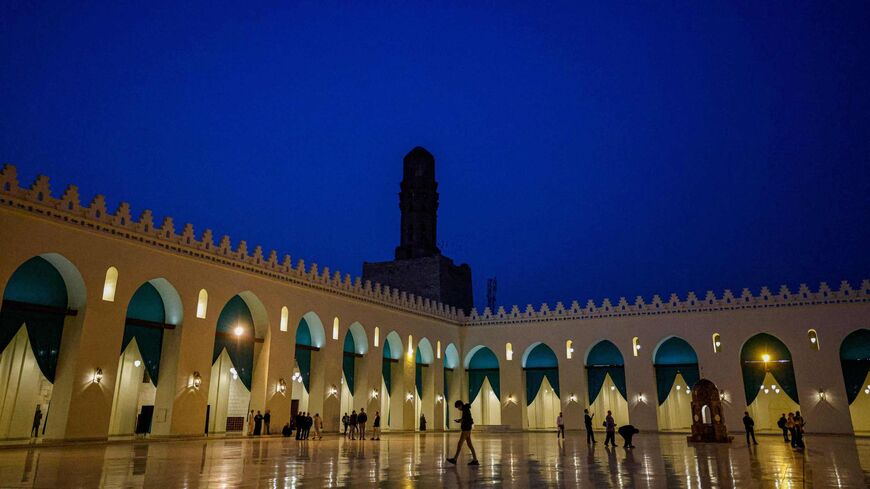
676, 365
391, 406
233, 360
605, 376
541, 368
153, 311
484, 386
452, 389
855, 360
41, 300
423, 383
310, 337
768, 380
355, 346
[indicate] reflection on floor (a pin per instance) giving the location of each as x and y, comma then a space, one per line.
510, 460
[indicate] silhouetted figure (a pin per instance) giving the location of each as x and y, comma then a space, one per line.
361, 420
309, 422
299, 423
560, 425
799, 424
749, 426
352, 424
628, 431
286, 431
466, 422
258, 423
422, 422
267, 418
609, 429
789, 425
783, 425
37, 419
344, 420
376, 435
251, 423
587, 422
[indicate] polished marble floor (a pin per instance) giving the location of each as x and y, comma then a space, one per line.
408, 460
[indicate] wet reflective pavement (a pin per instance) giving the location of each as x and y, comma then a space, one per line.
408, 460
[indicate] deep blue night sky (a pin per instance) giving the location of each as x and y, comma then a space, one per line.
583, 151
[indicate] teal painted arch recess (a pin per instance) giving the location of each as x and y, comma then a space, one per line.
855, 361
146, 304
605, 359
240, 349
541, 363
754, 368
36, 282
483, 366
675, 356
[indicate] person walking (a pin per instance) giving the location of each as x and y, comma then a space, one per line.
627, 432
587, 422
318, 426
309, 422
251, 423
267, 418
422, 422
37, 420
749, 426
789, 425
258, 423
560, 424
361, 422
783, 425
799, 430
344, 420
376, 426
352, 424
609, 429
466, 422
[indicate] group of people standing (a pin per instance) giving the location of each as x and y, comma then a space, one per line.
302, 422
355, 425
792, 427
626, 431
259, 424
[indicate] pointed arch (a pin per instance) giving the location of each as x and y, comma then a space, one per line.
482, 364
540, 362
855, 361
603, 359
762, 354
674, 355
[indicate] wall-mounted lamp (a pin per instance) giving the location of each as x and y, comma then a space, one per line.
196, 380
822, 395
332, 390
409, 397
374, 394
282, 386
641, 398
512, 399
572, 398
137, 363
98, 375
612, 387
439, 398
297, 377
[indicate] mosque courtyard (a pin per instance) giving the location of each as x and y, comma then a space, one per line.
531, 459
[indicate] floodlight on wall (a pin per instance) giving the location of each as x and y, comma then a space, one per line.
641, 398
137, 363
511, 399
374, 394
196, 380
613, 387
282, 386
439, 398
332, 390
822, 395
679, 387
409, 397
98, 375
572, 398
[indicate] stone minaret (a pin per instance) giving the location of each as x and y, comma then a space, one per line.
418, 201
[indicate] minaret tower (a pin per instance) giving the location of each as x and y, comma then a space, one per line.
418, 201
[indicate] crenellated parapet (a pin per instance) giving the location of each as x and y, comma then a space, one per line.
675, 305
95, 217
